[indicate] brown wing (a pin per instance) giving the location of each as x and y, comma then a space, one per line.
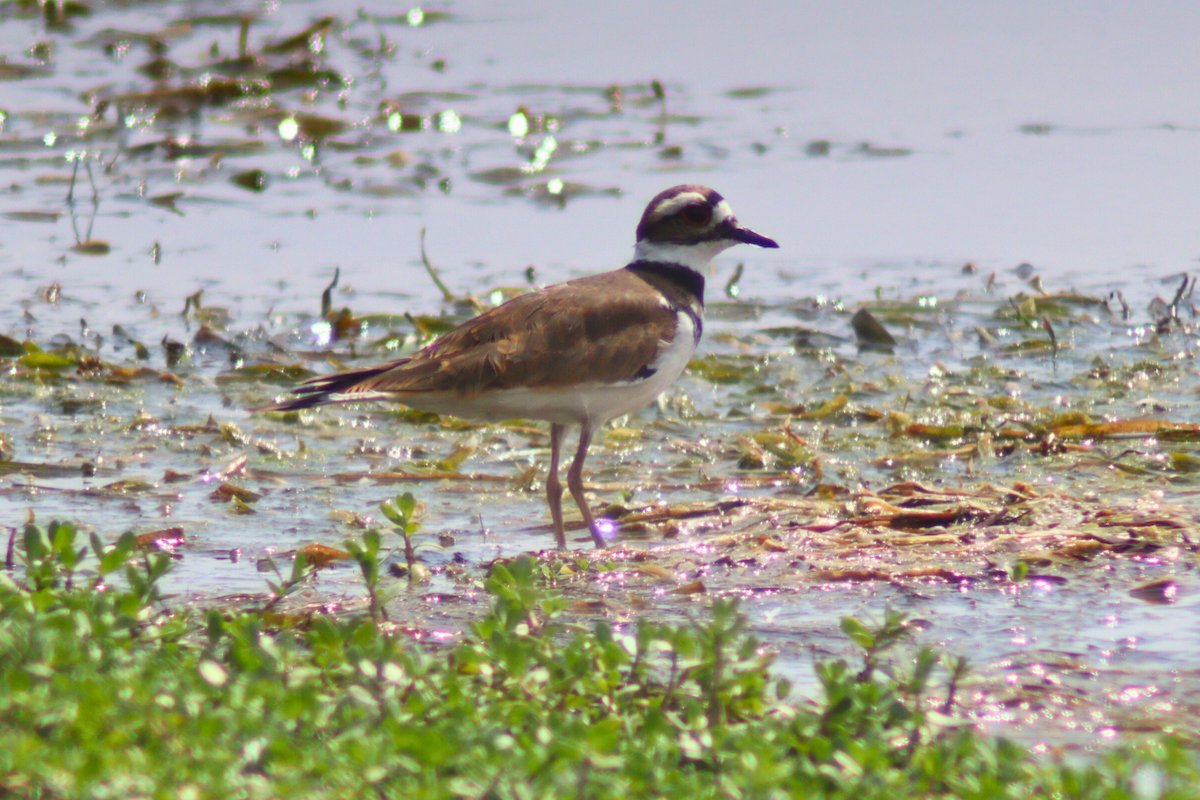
601, 328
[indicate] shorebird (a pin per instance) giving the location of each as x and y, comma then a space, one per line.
576, 353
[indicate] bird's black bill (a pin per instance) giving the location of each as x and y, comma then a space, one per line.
730, 229
747, 236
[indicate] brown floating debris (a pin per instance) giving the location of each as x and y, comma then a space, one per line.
1131, 428
214, 91
921, 456
656, 571
304, 39
870, 331
166, 201
868, 149
318, 128
1161, 591
227, 491
41, 470
233, 467
589, 607
343, 325
933, 572
208, 337
125, 375
849, 575
32, 216
128, 487
934, 431
239, 506
159, 68
322, 555
14, 72
387, 478
917, 518
925, 540
174, 351
282, 374
827, 409
92, 247
10, 347
255, 180
165, 539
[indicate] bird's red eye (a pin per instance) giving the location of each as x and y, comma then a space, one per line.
698, 214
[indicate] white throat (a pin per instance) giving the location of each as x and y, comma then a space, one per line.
697, 256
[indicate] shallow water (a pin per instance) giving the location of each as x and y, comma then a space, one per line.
884, 148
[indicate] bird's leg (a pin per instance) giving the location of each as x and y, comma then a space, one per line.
554, 488
575, 482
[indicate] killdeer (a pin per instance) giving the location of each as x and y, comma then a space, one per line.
576, 353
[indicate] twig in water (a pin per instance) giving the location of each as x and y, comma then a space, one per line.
446, 293
1012, 302
1053, 339
410, 555
795, 437
95, 191
1179, 295
661, 94
327, 295
732, 288
190, 302
956, 674
71, 200
243, 36
71, 188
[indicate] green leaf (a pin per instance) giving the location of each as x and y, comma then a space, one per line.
116, 557
407, 504
37, 542
858, 633
604, 735
214, 625
389, 509
62, 534
48, 361
300, 567
97, 546
371, 539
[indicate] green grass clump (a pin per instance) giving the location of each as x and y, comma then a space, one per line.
106, 692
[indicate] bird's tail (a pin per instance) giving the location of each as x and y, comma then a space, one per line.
336, 388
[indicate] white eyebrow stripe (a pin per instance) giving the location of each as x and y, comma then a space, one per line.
673, 204
722, 212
